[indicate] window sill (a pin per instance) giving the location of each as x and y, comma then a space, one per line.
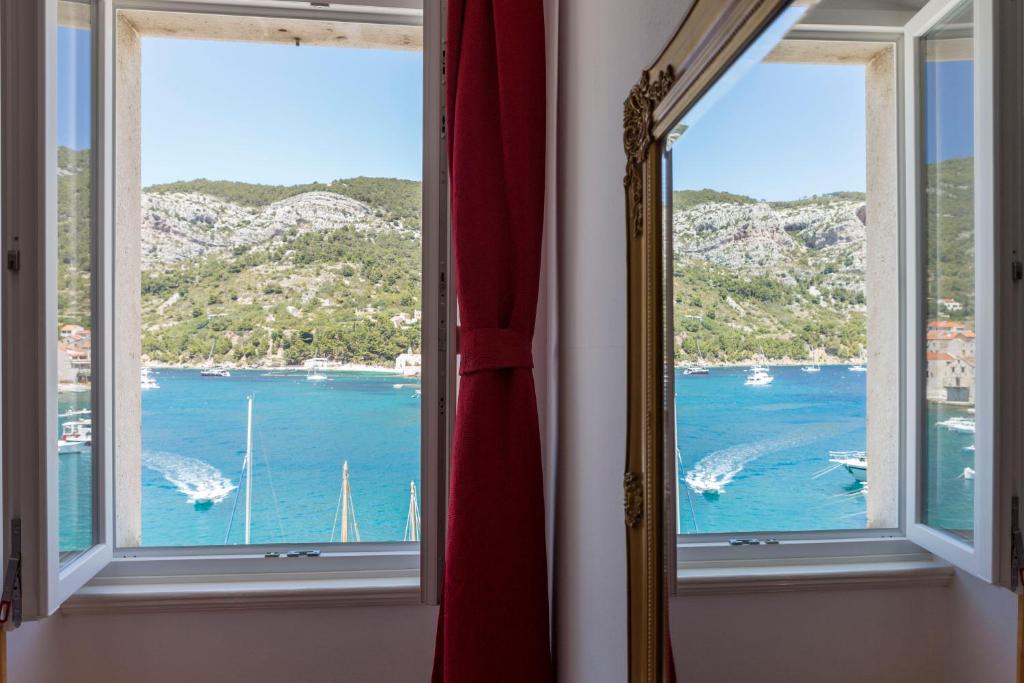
775, 576
195, 593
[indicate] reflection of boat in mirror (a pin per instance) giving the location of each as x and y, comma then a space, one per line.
957, 424
854, 462
75, 436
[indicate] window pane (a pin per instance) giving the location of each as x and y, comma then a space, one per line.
785, 254
278, 280
74, 276
948, 206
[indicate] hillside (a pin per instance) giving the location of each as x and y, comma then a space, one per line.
268, 275
784, 279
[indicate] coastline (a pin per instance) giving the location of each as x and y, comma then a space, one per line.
335, 367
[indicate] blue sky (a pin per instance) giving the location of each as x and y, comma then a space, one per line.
74, 76
278, 114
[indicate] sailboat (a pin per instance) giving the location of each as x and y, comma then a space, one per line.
698, 368
213, 370
412, 522
346, 511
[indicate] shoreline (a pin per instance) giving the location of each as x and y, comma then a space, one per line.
332, 367
787, 362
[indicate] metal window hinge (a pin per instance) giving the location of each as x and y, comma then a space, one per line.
1016, 545
13, 260
10, 602
1016, 268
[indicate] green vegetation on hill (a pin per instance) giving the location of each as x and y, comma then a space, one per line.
74, 235
685, 199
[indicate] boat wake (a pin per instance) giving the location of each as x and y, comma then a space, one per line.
712, 473
199, 481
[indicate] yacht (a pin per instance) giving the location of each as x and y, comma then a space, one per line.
811, 368
957, 424
75, 437
854, 462
758, 377
858, 368
215, 371
147, 381
314, 373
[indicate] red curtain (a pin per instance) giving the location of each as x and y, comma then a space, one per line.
493, 624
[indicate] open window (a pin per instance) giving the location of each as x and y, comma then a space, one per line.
229, 344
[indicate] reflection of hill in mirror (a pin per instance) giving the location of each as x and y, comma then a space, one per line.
275, 274
788, 277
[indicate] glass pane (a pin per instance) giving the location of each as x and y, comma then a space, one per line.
948, 212
74, 276
278, 285
785, 237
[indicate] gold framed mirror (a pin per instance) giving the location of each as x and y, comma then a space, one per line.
712, 35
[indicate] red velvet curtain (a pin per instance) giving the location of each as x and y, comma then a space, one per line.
493, 624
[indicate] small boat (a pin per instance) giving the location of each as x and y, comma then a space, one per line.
968, 473
758, 377
969, 448
695, 370
214, 372
75, 437
854, 462
858, 368
147, 380
962, 425
811, 368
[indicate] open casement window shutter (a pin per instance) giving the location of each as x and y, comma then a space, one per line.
949, 60
52, 569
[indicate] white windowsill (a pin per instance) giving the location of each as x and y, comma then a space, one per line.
774, 576
186, 593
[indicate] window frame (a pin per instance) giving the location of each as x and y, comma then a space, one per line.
28, 482
849, 551
693, 549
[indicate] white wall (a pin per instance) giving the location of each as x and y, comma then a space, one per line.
348, 645
905, 635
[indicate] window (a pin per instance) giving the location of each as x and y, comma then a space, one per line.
245, 257
836, 293
785, 234
277, 330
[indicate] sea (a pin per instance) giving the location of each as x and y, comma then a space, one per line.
766, 447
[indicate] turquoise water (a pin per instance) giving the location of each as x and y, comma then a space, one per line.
193, 442
768, 442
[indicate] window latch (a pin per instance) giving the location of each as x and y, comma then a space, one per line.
10, 602
753, 541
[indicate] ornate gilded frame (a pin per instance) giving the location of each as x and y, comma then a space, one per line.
712, 34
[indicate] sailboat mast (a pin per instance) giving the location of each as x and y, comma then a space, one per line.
344, 502
248, 475
412, 523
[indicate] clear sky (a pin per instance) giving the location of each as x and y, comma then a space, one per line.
278, 114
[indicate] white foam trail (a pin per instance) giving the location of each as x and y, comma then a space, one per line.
715, 471
199, 481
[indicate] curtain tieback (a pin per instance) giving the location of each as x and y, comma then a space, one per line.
494, 348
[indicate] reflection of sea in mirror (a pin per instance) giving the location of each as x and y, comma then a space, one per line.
74, 342
773, 316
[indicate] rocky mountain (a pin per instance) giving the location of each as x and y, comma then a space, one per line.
269, 275
786, 278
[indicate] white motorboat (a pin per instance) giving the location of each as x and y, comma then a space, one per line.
811, 368
75, 437
858, 368
758, 377
962, 425
854, 462
214, 372
968, 473
147, 381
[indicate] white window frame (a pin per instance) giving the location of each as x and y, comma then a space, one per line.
708, 563
31, 485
